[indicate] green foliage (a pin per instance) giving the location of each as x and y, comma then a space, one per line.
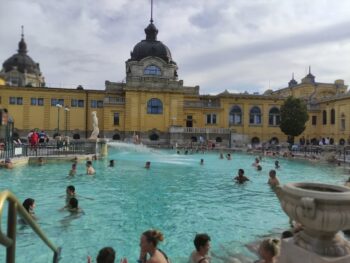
293, 117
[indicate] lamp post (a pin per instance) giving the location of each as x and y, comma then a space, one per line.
58, 118
66, 109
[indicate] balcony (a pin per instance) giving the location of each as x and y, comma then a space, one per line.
199, 130
313, 107
202, 104
114, 101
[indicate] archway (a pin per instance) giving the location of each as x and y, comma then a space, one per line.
255, 140
76, 136
116, 137
154, 137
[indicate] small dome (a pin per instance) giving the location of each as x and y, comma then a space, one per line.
21, 61
151, 47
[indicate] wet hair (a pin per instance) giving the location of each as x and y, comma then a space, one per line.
240, 171
73, 203
28, 203
106, 255
271, 245
286, 234
71, 188
259, 168
88, 163
272, 172
153, 236
200, 240
74, 165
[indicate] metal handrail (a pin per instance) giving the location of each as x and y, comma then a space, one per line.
9, 240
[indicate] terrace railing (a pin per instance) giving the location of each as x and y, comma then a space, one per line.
199, 130
9, 240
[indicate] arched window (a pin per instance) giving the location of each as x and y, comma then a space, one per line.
274, 117
332, 116
255, 115
154, 137
154, 106
116, 137
324, 117
255, 140
235, 116
152, 70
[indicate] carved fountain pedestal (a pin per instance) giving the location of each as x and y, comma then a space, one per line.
323, 210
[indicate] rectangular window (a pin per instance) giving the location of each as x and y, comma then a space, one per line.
40, 101
314, 120
100, 104
116, 118
94, 104
211, 118
33, 101
61, 101
81, 103
12, 100
19, 101
53, 102
74, 103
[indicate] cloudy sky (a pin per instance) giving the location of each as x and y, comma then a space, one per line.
238, 45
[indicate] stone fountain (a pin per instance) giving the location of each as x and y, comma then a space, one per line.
323, 210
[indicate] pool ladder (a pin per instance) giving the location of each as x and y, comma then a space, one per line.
9, 240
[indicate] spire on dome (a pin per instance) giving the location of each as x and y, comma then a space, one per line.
151, 31
22, 46
292, 82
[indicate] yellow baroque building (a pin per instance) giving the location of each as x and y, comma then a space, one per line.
155, 105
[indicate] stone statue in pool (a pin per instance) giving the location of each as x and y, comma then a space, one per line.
95, 129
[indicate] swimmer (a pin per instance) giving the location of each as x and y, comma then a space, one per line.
178, 152
29, 205
240, 178
221, 156
277, 164
273, 180
202, 245
89, 169
40, 161
73, 171
70, 193
73, 206
106, 255
228, 156
148, 244
148, 165
269, 251
256, 163
259, 168
6, 164
111, 163
202, 161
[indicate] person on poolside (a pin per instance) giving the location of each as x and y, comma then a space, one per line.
273, 180
202, 244
277, 164
228, 156
29, 205
111, 163
148, 246
202, 161
148, 165
73, 171
269, 251
89, 169
106, 255
241, 178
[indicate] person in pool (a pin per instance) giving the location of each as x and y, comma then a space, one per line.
273, 180
73, 171
106, 255
269, 251
148, 165
241, 178
202, 245
347, 183
70, 193
89, 169
202, 161
73, 206
111, 163
29, 205
221, 156
228, 156
259, 168
148, 246
277, 164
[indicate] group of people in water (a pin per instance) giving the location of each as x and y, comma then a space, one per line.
267, 250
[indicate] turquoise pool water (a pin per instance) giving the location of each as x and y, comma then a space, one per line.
177, 195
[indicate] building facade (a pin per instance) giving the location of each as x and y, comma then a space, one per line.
155, 105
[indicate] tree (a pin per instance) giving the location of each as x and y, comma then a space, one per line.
293, 117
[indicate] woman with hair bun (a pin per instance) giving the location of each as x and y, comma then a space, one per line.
269, 250
148, 244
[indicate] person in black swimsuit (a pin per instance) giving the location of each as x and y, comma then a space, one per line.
148, 244
202, 245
